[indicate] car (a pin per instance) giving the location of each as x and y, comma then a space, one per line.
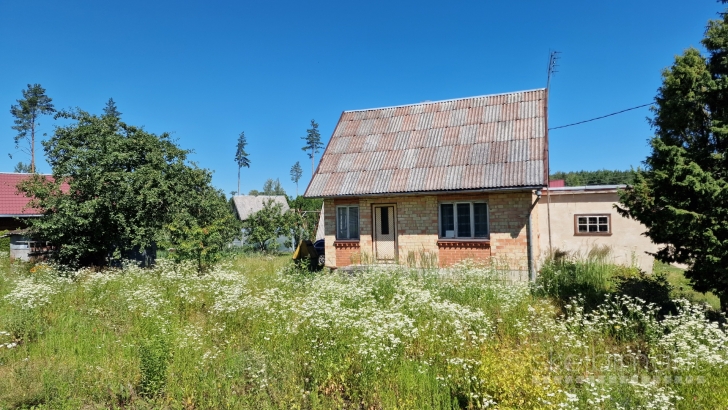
320, 247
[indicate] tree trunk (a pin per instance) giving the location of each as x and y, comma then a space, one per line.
238, 181
32, 146
723, 296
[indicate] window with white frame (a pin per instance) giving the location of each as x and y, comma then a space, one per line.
591, 224
464, 220
347, 222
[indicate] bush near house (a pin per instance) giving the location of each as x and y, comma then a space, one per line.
263, 228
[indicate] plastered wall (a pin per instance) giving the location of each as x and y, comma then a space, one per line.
627, 242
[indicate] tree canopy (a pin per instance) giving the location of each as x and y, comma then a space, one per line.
263, 228
600, 177
22, 167
271, 187
305, 213
34, 104
682, 194
129, 190
111, 110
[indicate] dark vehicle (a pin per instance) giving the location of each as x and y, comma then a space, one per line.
320, 247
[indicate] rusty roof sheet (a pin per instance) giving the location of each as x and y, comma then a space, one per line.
487, 142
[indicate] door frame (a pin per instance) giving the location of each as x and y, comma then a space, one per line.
394, 226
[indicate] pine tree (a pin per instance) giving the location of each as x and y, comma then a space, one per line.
313, 142
241, 157
296, 172
682, 194
34, 104
110, 109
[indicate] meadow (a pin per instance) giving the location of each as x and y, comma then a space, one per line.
257, 332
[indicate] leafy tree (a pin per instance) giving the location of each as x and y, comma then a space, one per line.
270, 187
129, 189
201, 231
263, 228
305, 213
241, 157
682, 194
34, 104
313, 142
22, 167
600, 177
296, 173
110, 109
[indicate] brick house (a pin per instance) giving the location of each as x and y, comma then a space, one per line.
451, 179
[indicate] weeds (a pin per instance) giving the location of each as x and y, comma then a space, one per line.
261, 332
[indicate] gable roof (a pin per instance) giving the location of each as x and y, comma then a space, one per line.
247, 205
487, 142
13, 203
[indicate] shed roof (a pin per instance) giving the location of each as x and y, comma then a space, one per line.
247, 205
486, 142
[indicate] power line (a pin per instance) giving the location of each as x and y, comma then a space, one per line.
599, 118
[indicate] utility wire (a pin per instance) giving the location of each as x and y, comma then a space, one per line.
599, 118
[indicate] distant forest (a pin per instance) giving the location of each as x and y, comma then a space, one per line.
601, 177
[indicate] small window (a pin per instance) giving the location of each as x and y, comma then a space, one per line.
592, 225
464, 220
347, 222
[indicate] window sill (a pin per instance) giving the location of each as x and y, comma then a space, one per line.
463, 243
594, 234
346, 243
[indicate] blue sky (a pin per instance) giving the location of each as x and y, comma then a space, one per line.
207, 70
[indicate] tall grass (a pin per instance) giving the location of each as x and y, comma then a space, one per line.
257, 332
589, 276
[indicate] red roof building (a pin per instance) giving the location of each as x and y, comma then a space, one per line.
13, 204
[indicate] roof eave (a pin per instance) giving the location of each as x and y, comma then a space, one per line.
436, 192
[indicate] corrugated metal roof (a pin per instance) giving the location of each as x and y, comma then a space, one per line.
486, 142
247, 205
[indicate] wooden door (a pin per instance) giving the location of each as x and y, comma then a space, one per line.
385, 235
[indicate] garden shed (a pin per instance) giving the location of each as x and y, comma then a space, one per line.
436, 182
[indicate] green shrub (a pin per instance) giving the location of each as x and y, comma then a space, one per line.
652, 288
564, 276
4, 242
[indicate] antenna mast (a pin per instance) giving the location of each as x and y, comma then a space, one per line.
551, 70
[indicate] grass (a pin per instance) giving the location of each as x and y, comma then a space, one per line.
257, 332
681, 285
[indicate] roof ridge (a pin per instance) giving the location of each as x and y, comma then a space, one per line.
447, 100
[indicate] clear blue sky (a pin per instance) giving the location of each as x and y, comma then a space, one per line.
207, 70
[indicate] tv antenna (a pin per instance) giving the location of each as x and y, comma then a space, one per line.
554, 57
553, 64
